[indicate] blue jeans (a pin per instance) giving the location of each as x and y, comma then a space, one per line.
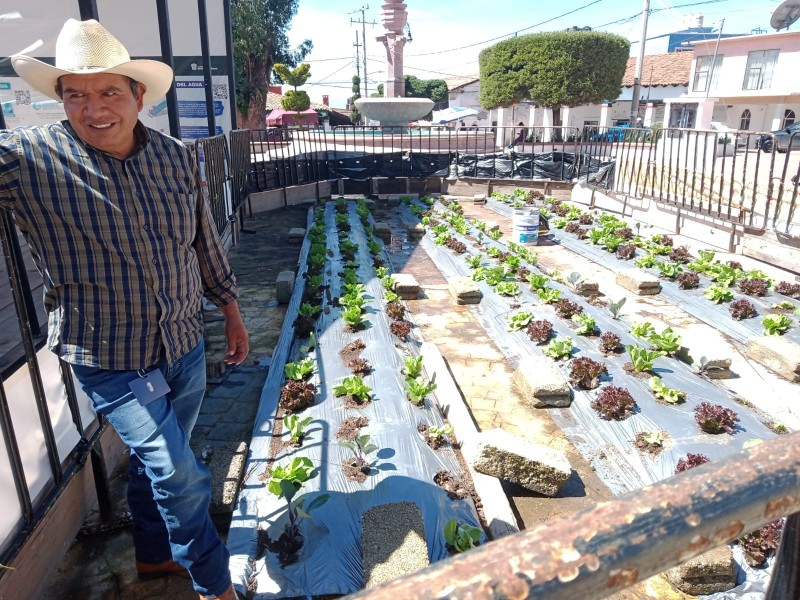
168, 489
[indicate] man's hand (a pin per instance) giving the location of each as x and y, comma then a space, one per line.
236, 334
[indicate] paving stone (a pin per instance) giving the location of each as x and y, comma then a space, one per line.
205, 419
382, 230
223, 432
415, 230
465, 291
638, 281
296, 235
708, 573
513, 458
284, 286
541, 385
392, 542
776, 353
406, 286
215, 404
393, 200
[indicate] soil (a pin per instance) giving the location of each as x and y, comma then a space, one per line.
435, 442
303, 326
628, 368
351, 351
359, 366
455, 489
350, 401
356, 469
651, 449
351, 427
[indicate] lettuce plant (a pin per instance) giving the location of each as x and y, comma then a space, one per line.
296, 426
614, 403
669, 270
680, 255
718, 293
567, 308
776, 324
412, 366
539, 331
418, 388
762, 543
648, 261
507, 288
519, 320
642, 330
400, 327
626, 251
660, 390
559, 349
754, 287
460, 536
297, 395
548, 295
308, 310
355, 387
609, 342
642, 358
537, 281
395, 310
615, 308
495, 234
353, 317
788, 289
300, 370
585, 372
362, 446
742, 309
715, 418
586, 324
667, 341
688, 281
692, 460
474, 261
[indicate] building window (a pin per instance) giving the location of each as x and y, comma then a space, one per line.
744, 123
760, 65
706, 76
788, 118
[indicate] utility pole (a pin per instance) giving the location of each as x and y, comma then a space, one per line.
714, 59
364, 24
358, 68
637, 78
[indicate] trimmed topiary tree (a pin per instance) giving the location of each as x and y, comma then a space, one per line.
294, 99
556, 68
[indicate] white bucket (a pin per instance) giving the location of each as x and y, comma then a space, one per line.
525, 226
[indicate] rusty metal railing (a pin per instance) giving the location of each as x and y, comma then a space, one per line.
607, 548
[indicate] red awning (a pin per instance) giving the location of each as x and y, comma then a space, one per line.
292, 117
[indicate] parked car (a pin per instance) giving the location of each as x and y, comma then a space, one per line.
781, 139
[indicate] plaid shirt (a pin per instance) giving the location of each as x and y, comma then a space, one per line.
127, 248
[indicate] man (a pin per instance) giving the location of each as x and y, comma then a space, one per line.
127, 250
520, 136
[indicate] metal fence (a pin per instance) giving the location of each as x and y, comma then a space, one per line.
728, 175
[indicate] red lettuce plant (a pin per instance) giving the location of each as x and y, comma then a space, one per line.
566, 308
788, 289
297, 396
540, 331
609, 342
688, 281
400, 327
626, 251
742, 309
714, 418
692, 460
759, 545
680, 255
614, 403
663, 239
585, 372
522, 274
455, 245
624, 232
754, 287
735, 264
395, 310
586, 219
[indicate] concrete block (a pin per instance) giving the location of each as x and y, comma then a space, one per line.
296, 235
541, 384
513, 458
586, 288
638, 281
776, 353
479, 199
406, 286
465, 291
382, 230
225, 461
716, 367
707, 574
415, 230
284, 286
392, 542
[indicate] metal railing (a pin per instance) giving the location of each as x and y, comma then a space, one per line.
726, 175
613, 545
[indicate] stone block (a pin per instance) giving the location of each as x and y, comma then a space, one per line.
639, 282
479, 199
296, 235
406, 286
776, 353
284, 286
709, 573
225, 461
382, 230
515, 459
415, 230
465, 291
586, 288
492, 226
541, 384
392, 542
715, 366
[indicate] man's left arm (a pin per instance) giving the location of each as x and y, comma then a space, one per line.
235, 333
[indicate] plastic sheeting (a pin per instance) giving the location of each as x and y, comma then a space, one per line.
553, 166
330, 561
360, 167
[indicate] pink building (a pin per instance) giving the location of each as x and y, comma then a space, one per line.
748, 82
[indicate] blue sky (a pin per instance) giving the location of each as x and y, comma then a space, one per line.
448, 34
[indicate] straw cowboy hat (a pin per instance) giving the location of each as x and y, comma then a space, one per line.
86, 47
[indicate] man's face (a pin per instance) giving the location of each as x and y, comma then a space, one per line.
103, 110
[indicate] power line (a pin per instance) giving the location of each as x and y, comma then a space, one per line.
633, 17
509, 34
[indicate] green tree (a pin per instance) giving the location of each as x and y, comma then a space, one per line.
555, 68
259, 41
355, 116
435, 89
294, 99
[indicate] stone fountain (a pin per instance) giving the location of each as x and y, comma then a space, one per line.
394, 110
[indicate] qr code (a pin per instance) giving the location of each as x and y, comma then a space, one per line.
23, 97
220, 91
